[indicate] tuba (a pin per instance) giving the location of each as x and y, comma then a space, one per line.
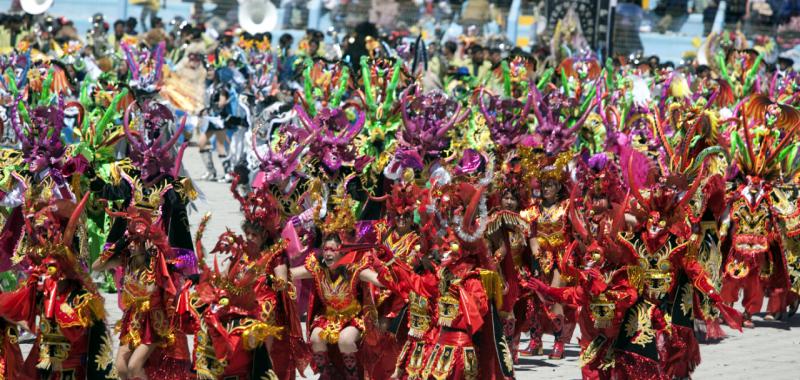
257, 16
35, 7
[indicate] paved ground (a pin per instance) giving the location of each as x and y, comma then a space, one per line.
771, 351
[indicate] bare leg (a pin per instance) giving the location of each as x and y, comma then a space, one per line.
348, 346
320, 349
121, 362
348, 340
138, 359
317, 344
222, 139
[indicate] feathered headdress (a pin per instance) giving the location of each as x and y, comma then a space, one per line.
552, 133
507, 119
149, 152
50, 229
764, 144
39, 133
402, 199
542, 167
324, 81
143, 227
278, 160
340, 218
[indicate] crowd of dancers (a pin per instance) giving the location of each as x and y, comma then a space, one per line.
419, 233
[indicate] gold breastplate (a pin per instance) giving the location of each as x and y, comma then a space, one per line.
658, 276
419, 319
602, 311
447, 306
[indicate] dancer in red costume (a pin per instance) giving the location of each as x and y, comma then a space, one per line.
549, 239
665, 248
341, 306
72, 341
402, 243
760, 216
507, 234
269, 246
467, 294
148, 294
230, 322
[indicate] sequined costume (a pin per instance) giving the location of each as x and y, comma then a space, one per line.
231, 316
669, 274
71, 337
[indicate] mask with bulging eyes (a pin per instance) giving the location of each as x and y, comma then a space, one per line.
655, 225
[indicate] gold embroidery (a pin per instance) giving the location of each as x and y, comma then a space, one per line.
105, 357
448, 310
431, 359
602, 311
687, 301
417, 360
444, 363
640, 326
419, 320
206, 363
590, 352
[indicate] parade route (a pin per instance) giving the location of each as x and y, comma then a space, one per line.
770, 351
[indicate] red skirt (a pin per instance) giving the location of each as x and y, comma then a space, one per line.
452, 357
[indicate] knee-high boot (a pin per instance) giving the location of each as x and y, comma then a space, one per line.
208, 161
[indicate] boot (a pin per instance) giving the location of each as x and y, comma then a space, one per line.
793, 306
227, 168
323, 365
350, 366
208, 161
558, 351
534, 347
748, 321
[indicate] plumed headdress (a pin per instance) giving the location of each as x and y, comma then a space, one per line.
150, 151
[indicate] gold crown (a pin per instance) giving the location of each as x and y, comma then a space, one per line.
543, 168
340, 218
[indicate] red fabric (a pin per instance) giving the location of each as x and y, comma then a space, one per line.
12, 359
163, 365
473, 304
753, 291
19, 305
682, 352
381, 362
714, 330
630, 366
